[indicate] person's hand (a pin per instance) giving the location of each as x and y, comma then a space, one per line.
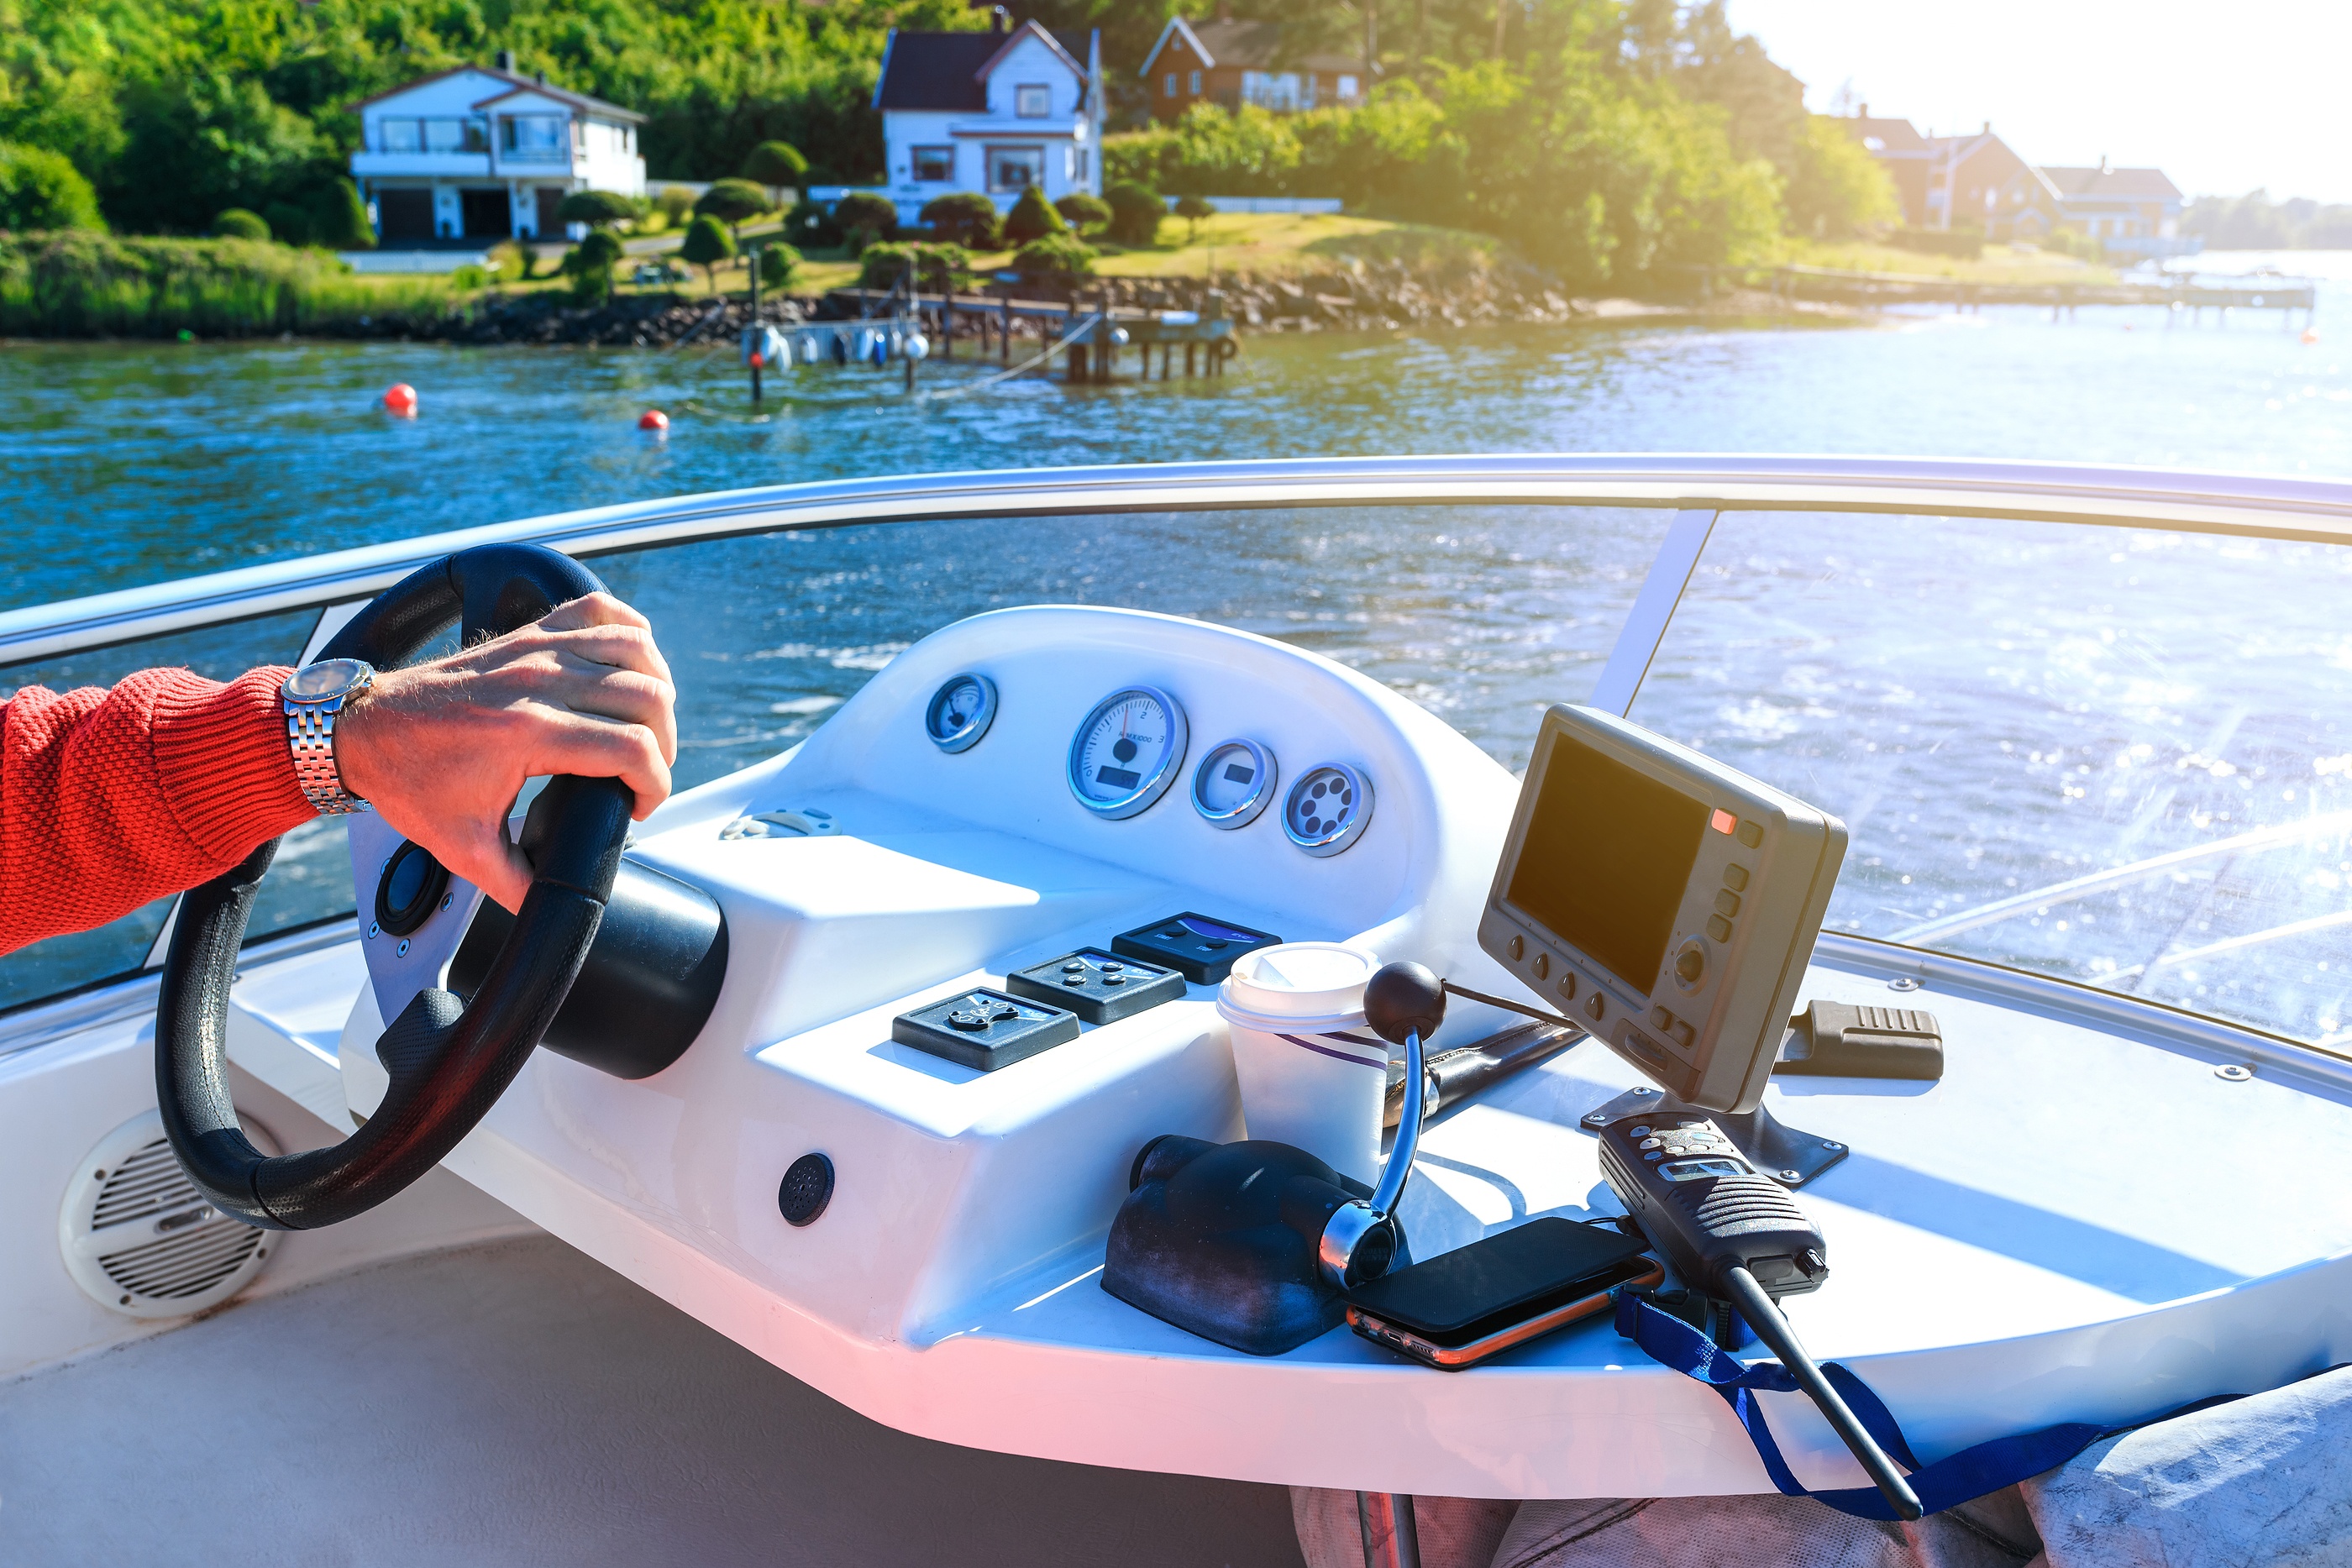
441, 749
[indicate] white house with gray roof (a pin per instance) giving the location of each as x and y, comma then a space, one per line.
998, 112
469, 156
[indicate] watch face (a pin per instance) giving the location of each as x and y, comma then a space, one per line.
326, 679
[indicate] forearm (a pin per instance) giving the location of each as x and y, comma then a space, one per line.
111, 799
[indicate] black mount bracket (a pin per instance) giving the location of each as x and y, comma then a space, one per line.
1789, 1157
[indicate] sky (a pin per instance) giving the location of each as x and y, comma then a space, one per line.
2222, 97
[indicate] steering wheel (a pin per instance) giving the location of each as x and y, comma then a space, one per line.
448, 1061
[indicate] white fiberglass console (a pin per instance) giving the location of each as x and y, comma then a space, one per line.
942, 861
2055, 1231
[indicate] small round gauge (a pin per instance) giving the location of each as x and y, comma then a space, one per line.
961, 713
1128, 752
1328, 808
1233, 783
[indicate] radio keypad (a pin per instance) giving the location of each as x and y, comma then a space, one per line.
1735, 877
1727, 903
1718, 928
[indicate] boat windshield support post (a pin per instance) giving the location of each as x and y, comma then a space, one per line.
1653, 607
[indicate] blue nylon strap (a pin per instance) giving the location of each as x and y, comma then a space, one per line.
1969, 1474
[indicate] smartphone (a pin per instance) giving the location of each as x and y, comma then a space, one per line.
1460, 1307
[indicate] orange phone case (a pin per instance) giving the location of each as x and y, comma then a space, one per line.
1454, 1358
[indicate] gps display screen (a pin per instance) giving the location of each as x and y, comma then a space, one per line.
1607, 855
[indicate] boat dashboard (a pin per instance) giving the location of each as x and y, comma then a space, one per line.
2054, 1229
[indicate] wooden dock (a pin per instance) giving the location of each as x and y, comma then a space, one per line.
1095, 331
2182, 294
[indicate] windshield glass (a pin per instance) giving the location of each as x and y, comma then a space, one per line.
2122, 757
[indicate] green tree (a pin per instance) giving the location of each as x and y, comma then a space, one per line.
236, 223
1192, 209
734, 202
1837, 189
776, 164
591, 264
40, 189
200, 141
1136, 210
810, 227
340, 218
289, 223
1033, 217
778, 263
706, 244
1059, 259
1083, 212
964, 217
864, 218
597, 209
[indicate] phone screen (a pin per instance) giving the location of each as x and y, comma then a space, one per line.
1462, 1296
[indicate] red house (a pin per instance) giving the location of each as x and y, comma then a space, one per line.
1231, 63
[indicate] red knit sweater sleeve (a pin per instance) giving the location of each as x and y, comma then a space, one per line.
111, 799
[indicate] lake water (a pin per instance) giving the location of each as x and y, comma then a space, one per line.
1998, 710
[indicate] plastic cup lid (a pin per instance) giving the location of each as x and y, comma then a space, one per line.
1301, 979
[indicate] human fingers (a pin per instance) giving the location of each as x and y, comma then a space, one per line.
596, 748
627, 696
600, 611
619, 647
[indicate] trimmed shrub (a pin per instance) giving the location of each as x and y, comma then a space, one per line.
810, 227
734, 202
1083, 212
1056, 258
40, 189
707, 245
778, 262
1031, 218
673, 203
238, 224
776, 164
597, 209
342, 219
865, 217
965, 218
1136, 210
591, 264
1192, 209
938, 268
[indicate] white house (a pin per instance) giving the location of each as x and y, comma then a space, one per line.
480, 154
996, 111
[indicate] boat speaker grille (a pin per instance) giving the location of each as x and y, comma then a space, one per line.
141, 1240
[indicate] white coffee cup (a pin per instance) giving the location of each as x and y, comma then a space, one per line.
1312, 1074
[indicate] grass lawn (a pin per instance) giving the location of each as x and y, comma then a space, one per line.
1271, 244
1999, 264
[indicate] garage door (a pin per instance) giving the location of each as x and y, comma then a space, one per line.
404, 214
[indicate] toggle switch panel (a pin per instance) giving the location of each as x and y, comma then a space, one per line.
1098, 986
985, 1029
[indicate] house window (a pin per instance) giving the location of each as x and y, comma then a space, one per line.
401, 135
455, 136
934, 165
1082, 158
1170, 87
533, 136
1196, 84
1268, 90
1014, 169
1347, 86
1033, 100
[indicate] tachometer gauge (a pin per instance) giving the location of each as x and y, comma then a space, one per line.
1128, 751
1233, 783
961, 713
1328, 808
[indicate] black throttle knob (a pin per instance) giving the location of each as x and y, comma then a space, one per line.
1404, 999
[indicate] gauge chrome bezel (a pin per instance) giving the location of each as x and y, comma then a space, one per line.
1269, 776
1154, 784
968, 735
1331, 842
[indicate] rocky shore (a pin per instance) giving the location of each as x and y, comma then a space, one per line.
1367, 297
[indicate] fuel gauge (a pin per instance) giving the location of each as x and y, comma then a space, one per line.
960, 712
1233, 783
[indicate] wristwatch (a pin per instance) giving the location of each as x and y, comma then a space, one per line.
313, 695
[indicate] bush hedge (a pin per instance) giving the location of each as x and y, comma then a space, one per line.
1033, 217
937, 268
966, 218
1136, 210
1059, 259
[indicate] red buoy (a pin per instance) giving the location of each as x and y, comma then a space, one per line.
654, 420
2310, 334
400, 398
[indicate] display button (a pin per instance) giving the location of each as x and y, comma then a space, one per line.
1653, 1143
1751, 833
1684, 1036
1722, 822
1567, 987
1594, 1007
1690, 963
1718, 928
1727, 903
1518, 948
1660, 1018
1735, 877
1543, 964
1656, 1155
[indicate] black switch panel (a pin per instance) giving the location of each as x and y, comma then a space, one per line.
985, 1029
1096, 986
1200, 949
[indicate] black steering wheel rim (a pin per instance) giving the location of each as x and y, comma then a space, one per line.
449, 1059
